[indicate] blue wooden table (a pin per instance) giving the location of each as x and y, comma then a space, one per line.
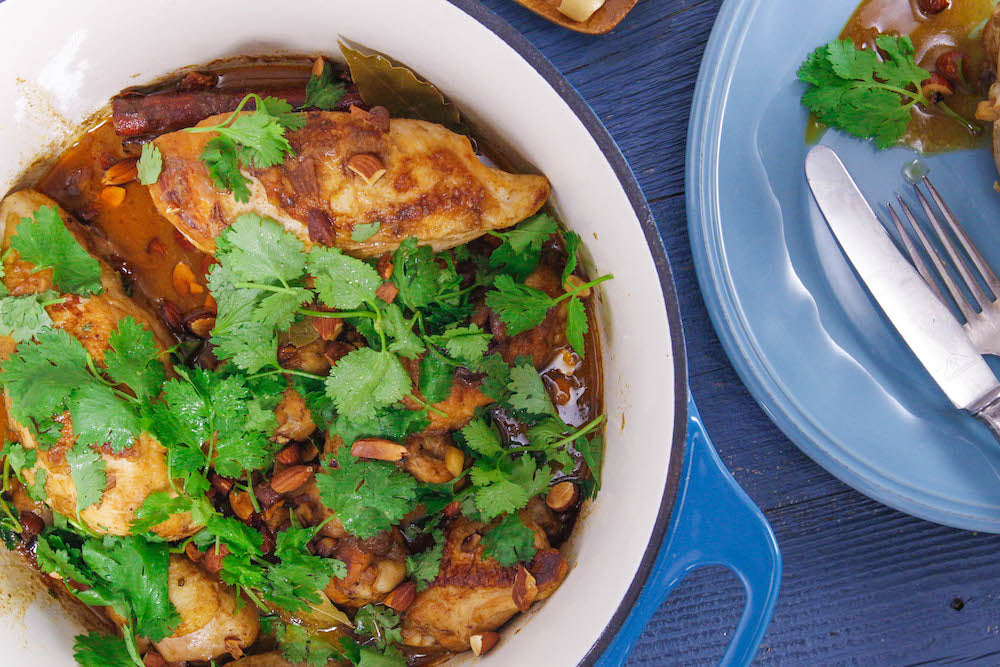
863, 584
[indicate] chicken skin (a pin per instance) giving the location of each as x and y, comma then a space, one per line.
139, 470
434, 187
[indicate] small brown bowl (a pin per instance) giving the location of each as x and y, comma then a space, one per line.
604, 19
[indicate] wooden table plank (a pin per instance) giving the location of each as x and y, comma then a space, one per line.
863, 584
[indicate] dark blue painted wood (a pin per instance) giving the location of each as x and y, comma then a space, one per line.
863, 584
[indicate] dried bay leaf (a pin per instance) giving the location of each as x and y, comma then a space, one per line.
387, 83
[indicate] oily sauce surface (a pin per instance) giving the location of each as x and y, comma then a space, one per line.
956, 28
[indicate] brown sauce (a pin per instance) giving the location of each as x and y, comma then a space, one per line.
955, 28
146, 250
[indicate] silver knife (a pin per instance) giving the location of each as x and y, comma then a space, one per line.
924, 322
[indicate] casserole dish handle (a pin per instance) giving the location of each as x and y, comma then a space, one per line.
714, 522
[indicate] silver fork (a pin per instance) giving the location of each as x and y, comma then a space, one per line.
982, 310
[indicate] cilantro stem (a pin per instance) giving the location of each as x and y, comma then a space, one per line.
341, 314
52, 302
253, 496
427, 406
577, 290
286, 371
211, 128
264, 287
3, 503
954, 115
129, 634
587, 428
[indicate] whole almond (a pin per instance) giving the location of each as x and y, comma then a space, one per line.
368, 166
291, 478
401, 597
562, 496
121, 173
387, 291
525, 589
378, 448
213, 558
483, 643
241, 504
290, 455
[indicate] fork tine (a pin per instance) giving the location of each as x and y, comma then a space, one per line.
963, 269
953, 288
965, 240
911, 250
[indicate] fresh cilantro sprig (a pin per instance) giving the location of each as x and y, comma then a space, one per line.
380, 623
299, 646
150, 164
44, 241
522, 245
255, 139
521, 307
866, 93
324, 91
367, 496
509, 542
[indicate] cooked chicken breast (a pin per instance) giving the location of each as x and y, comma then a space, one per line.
472, 595
434, 187
211, 624
132, 474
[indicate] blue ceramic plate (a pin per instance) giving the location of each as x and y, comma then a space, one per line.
807, 339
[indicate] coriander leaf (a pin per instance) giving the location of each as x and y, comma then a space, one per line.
53, 554
365, 230
572, 242
278, 309
323, 91
150, 164
40, 377
481, 439
46, 243
136, 571
157, 508
87, 469
342, 281
283, 112
240, 452
522, 246
299, 577
527, 391
497, 378
19, 458
258, 249
101, 417
380, 623
260, 137
466, 344
22, 317
364, 381
508, 487
299, 646
436, 377
133, 359
865, 94
97, 650
510, 542
592, 451
221, 157
250, 345
424, 567
405, 343
422, 279
519, 307
391, 657
576, 325
367, 496
393, 423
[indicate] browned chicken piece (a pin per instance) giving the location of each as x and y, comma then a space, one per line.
374, 567
458, 408
471, 595
269, 659
294, 419
434, 187
214, 623
432, 458
134, 473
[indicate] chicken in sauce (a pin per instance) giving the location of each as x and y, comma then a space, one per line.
289, 381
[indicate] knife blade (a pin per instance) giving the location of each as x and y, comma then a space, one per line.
924, 322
